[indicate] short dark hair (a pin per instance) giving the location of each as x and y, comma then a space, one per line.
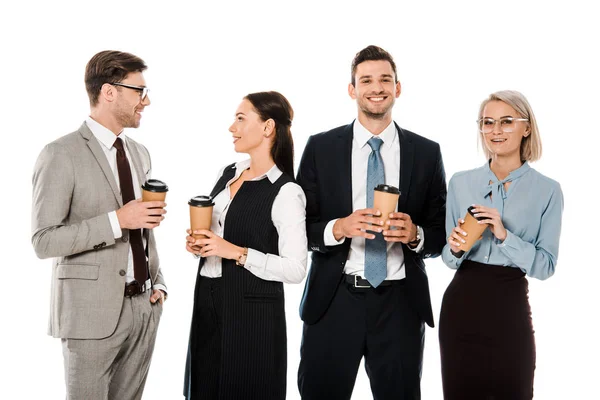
371, 53
273, 105
109, 66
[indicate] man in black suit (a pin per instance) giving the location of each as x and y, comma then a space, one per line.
349, 312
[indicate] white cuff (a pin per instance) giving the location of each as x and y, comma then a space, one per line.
328, 236
419, 247
255, 259
158, 286
114, 223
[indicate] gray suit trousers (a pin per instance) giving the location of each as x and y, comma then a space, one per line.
116, 367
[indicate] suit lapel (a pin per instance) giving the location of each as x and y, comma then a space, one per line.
407, 156
137, 163
345, 178
98, 153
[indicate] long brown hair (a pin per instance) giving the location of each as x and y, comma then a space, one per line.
273, 105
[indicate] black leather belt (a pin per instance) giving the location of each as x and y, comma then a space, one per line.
359, 282
134, 288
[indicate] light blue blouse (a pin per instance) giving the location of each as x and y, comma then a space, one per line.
531, 211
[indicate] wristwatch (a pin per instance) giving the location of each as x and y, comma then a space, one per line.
240, 262
418, 238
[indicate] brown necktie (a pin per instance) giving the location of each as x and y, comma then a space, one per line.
140, 269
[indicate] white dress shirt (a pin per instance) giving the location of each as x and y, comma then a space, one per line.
390, 153
107, 138
289, 218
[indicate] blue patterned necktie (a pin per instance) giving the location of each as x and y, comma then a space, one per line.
375, 249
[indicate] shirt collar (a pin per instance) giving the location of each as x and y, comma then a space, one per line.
103, 134
362, 135
517, 173
495, 187
273, 174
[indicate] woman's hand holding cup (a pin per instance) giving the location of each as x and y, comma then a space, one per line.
457, 237
191, 244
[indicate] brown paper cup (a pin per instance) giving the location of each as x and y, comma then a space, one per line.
385, 199
474, 232
154, 190
201, 208
153, 196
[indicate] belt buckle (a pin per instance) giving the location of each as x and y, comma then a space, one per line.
356, 285
133, 288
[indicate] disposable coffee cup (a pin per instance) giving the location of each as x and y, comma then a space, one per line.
474, 232
154, 190
385, 199
201, 208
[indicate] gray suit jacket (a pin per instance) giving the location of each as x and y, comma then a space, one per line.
74, 189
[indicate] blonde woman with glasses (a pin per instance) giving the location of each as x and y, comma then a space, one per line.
486, 333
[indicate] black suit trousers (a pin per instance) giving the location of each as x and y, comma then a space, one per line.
377, 323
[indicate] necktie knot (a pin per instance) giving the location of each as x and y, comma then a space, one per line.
118, 144
375, 143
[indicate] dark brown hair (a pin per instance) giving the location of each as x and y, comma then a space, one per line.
107, 67
371, 53
273, 105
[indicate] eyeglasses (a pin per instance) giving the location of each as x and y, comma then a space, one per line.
507, 124
141, 89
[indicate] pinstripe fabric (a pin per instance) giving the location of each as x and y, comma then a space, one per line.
252, 358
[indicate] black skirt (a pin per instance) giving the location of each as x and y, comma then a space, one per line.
486, 335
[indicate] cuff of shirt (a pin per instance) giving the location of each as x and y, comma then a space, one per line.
328, 237
421, 244
508, 240
158, 286
450, 259
255, 260
114, 223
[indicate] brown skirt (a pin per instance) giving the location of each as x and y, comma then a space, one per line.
486, 335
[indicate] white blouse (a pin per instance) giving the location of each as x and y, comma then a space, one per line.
289, 218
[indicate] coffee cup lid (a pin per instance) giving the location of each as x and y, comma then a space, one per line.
387, 189
154, 185
470, 211
201, 201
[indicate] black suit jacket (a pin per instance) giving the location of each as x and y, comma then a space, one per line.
325, 174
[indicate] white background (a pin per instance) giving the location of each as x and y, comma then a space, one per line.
204, 58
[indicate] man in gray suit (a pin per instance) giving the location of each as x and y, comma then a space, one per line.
107, 287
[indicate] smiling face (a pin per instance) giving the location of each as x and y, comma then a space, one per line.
129, 105
375, 90
249, 131
497, 142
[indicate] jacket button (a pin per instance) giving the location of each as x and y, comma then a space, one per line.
103, 244
96, 247
124, 239
122, 272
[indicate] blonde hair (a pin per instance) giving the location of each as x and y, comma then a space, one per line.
531, 145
